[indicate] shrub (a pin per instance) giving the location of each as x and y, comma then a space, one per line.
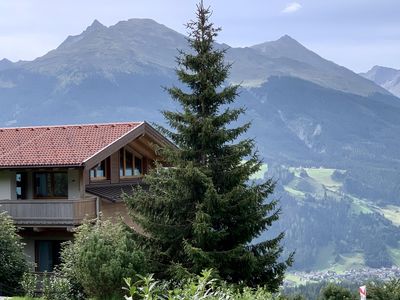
28, 284
56, 288
336, 292
13, 264
384, 290
101, 255
203, 286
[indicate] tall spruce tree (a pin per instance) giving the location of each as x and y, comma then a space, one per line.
204, 212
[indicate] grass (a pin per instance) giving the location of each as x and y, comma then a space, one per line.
395, 254
324, 177
392, 213
349, 261
346, 262
295, 279
294, 192
360, 206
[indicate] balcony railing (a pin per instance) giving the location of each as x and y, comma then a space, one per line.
65, 212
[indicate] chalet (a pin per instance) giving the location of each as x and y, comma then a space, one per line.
53, 177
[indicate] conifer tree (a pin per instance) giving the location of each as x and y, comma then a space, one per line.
204, 212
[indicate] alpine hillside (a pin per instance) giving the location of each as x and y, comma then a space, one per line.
328, 135
388, 78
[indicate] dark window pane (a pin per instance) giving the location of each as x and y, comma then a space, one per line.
138, 166
60, 184
42, 184
129, 163
47, 255
121, 162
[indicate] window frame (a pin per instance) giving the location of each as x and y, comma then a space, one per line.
106, 171
134, 156
52, 196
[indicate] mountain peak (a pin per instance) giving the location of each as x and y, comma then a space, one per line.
388, 78
95, 26
5, 64
284, 41
287, 38
381, 68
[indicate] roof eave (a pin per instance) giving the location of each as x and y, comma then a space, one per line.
40, 166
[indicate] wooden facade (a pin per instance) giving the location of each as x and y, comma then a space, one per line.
46, 210
39, 213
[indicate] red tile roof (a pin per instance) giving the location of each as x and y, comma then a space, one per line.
68, 145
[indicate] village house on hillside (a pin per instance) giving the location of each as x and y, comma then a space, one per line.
53, 177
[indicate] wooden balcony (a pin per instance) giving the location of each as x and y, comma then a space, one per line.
51, 212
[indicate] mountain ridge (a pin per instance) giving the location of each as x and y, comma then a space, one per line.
125, 41
307, 112
388, 78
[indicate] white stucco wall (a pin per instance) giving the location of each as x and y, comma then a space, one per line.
74, 184
7, 185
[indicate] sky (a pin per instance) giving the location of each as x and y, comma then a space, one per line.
357, 34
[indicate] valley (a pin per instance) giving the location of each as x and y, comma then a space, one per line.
326, 134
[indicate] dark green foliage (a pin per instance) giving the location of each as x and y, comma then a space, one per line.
203, 286
204, 212
384, 290
314, 291
12, 259
55, 287
336, 292
98, 259
333, 225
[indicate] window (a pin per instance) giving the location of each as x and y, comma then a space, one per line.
47, 255
100, 171
129, 164
21, 185
51, 185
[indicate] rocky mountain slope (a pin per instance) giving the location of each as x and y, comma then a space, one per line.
307, 112
388, 78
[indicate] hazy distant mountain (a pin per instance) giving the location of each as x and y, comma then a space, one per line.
388, 78
287, 57
5, 64
306, 112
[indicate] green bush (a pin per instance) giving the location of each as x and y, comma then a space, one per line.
69, 270
336, 292
56, 288
203, 286
13, 264
29, 284
98, 259
384, 290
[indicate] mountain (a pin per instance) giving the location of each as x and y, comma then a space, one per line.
5, 64
308, 114
287, 57
388, 78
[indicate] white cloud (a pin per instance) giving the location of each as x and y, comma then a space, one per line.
291, 8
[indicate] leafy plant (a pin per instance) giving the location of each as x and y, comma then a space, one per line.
335, 292
384, 290
13, 264
55, 287
28, 283
101, 255
203, 286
